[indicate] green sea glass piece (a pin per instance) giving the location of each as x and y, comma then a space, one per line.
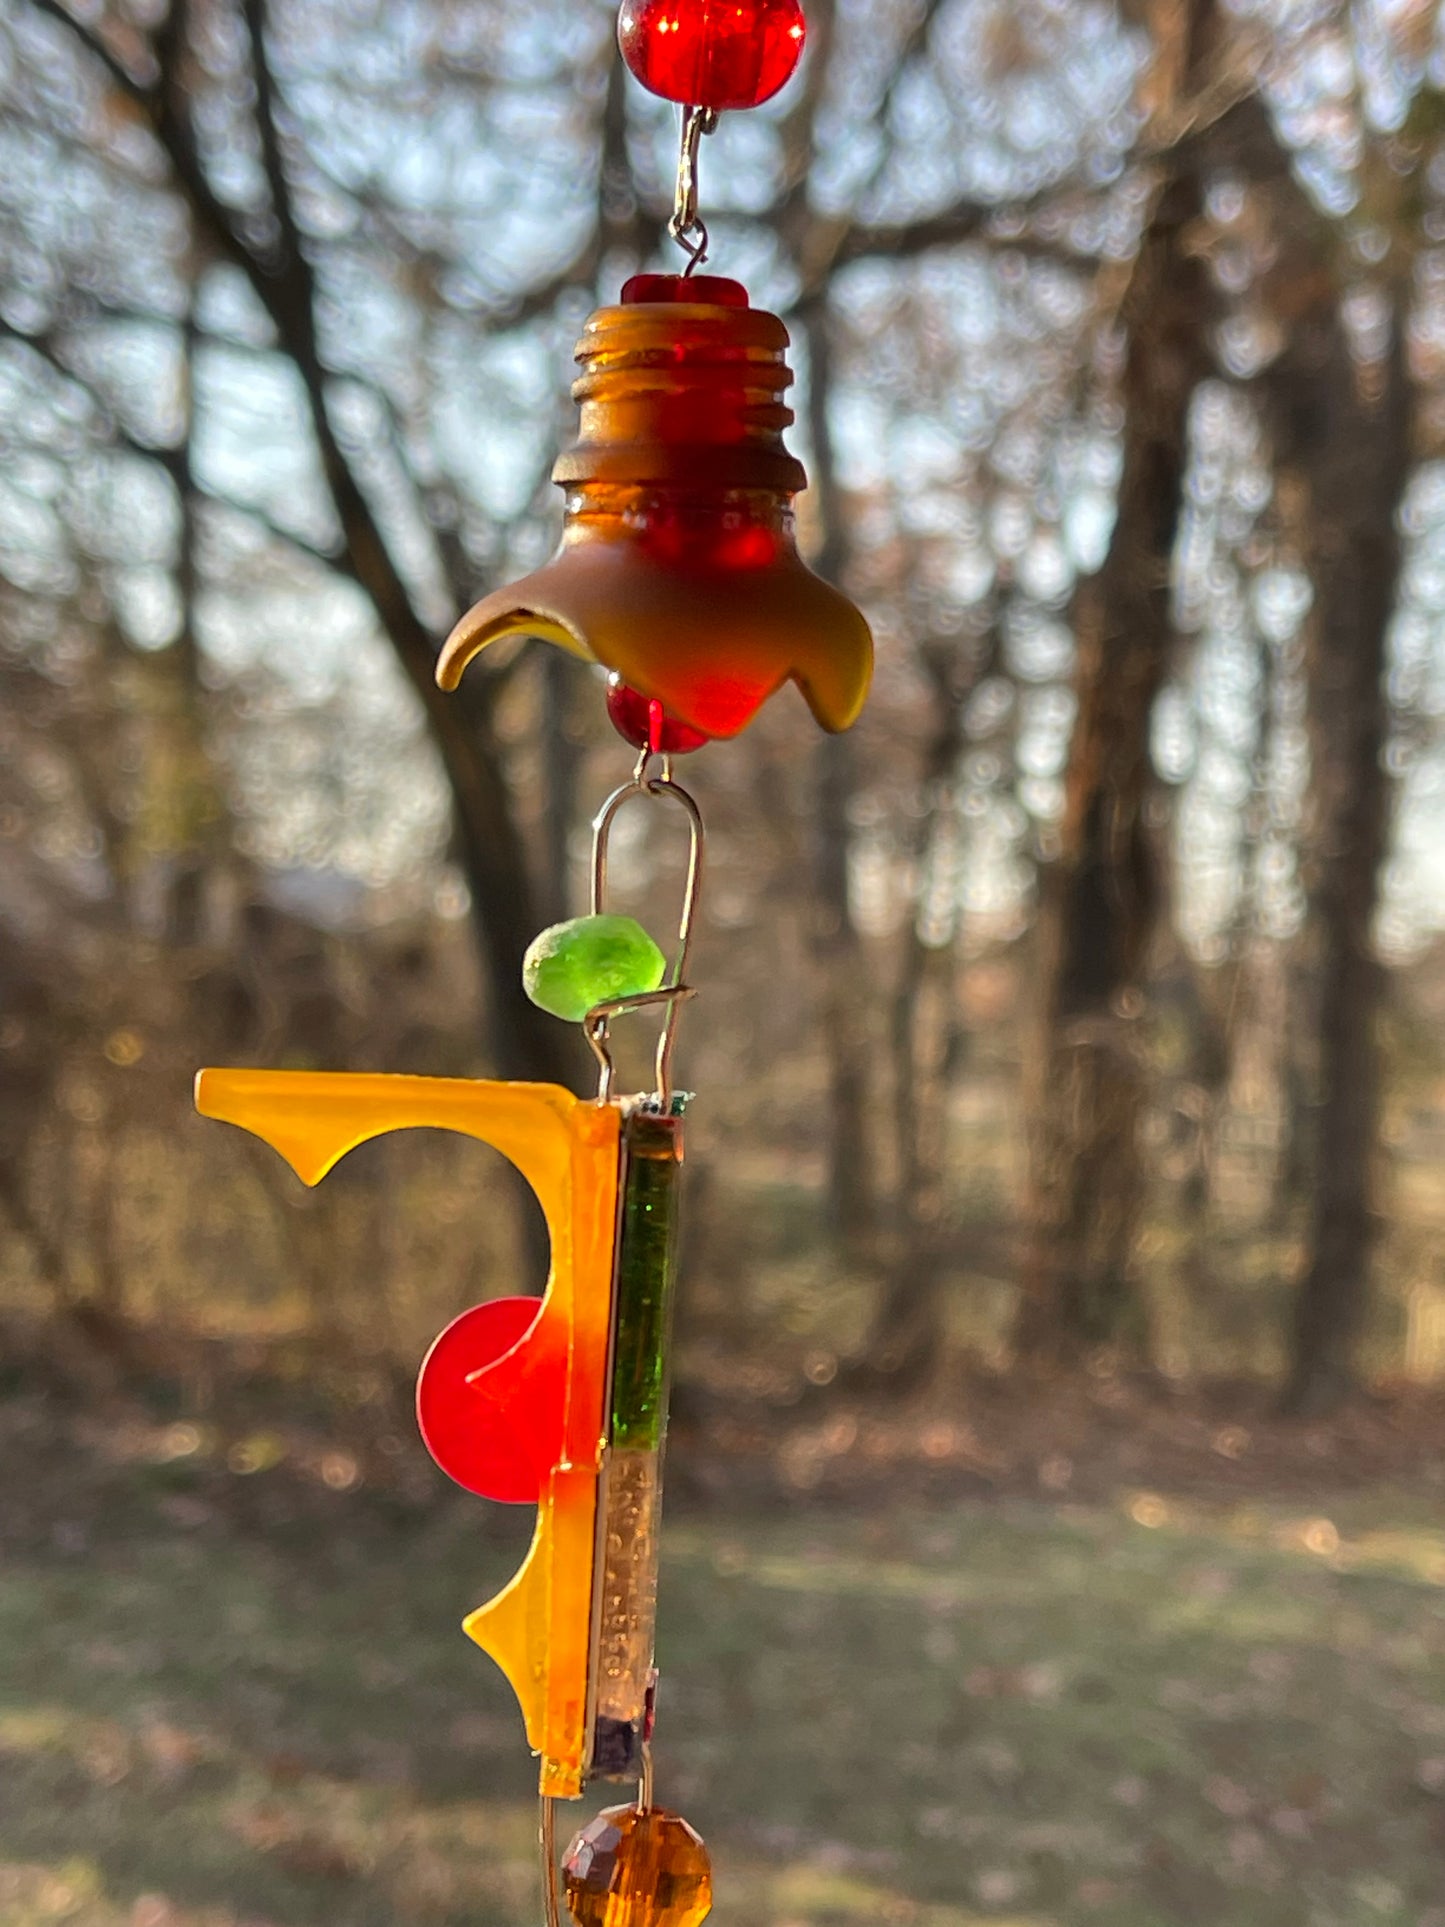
574, 966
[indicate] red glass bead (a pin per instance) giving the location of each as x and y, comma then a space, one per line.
711, 53
642, 721
711, 290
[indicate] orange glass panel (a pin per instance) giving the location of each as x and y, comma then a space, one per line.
539, 1628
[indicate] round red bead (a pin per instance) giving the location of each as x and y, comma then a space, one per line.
711, 53
643, 722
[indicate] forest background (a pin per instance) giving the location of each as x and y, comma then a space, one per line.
1071, 1045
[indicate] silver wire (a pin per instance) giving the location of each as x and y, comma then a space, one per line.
676, 991
644, 1784
687, 226
547, 1839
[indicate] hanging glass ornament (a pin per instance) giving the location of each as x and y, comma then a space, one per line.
678, 571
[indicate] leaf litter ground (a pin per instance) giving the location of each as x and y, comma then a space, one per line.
233, 1694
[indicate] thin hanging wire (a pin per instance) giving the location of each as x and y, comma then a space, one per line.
676, 990
687, 226
547, 1840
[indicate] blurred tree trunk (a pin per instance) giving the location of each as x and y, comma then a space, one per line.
195, 833
559, 782
1099, 900
908, 1323
844, 1009
1342, 436
1292, 1180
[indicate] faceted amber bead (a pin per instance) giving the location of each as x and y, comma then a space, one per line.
631, 1869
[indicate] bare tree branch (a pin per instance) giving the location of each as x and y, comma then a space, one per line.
461, 725
170, 457
140, 91
272, 159
964, 221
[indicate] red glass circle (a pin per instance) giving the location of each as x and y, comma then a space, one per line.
711, 53
643, 722
500, 1442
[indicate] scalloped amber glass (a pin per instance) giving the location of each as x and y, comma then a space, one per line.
678, 567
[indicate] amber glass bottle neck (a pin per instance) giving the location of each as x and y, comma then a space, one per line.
684, 396
642, 504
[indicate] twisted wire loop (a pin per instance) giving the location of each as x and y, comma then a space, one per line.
675, 991
687, 226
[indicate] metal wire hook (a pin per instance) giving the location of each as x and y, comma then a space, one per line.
687, 226
601, 1015
676, 991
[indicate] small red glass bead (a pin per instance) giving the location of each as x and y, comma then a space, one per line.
642, 721
711, 290
711, 53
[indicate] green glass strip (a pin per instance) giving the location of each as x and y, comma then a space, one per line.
646, 1267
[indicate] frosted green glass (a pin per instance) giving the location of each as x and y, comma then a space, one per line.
574, 966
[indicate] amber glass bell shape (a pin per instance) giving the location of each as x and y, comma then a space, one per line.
678, 568
637, 1869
